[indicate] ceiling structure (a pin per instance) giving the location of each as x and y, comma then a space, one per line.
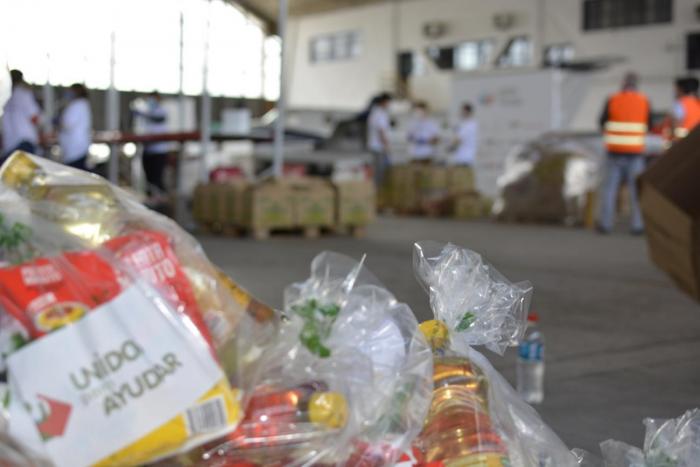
267, 9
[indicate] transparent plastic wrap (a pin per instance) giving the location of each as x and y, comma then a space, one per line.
113, 325
347, 382
471, 297
475, 417
667, 443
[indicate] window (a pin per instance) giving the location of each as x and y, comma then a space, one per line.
517, 52
271, 68
443, 57
693, 51
333, 47
556, 55
71, 48
607, 14
473, 55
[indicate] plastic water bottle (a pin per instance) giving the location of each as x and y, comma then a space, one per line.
530, 368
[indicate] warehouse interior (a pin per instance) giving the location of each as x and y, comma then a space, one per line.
557, 139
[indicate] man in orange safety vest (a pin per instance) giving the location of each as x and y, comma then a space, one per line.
625, 121
686, 111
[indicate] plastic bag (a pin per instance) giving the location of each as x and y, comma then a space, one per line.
586, 459
471, 297
475, 417
667, 443
113, 324
347, 382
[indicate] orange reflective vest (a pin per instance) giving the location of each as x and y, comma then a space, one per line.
691, 116
626, 128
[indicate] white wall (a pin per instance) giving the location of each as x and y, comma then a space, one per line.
346, 85
657, 52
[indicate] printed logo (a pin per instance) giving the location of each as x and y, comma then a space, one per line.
59, 315
54, 417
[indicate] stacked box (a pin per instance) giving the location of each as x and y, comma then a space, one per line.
460, 179
355, 203
313, 202
432, 182
468, 206
402, 182
269, 205
219, 203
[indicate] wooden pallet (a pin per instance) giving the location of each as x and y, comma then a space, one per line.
262, 233
356, 231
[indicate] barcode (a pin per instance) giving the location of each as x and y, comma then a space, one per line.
207, 416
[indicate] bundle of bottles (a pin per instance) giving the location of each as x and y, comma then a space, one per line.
121, 344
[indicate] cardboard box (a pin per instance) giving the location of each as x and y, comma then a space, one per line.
402, 186
460, 180
220, 203
670, 201
313, 202
431, 185
468, 206
355, 203
269, 205
432, 178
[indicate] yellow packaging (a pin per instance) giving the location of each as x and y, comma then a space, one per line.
174, 437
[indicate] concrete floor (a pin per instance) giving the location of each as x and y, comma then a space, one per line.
622, 342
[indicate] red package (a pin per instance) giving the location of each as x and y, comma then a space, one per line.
225, 174
148, 254
47, 294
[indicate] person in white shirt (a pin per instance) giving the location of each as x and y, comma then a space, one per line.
21, 118
467, 138
378, 130
423, 134
155, 155
75, 127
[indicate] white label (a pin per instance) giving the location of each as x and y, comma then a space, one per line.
104, 382
206, 417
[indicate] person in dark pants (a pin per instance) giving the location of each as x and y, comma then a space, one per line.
75, 127
625, 121
155, 155
378, 132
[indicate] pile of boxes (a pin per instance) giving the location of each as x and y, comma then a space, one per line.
433, 190
307, 203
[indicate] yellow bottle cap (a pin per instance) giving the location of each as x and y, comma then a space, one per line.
328, 408
435, 332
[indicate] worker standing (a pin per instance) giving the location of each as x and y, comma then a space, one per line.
21, 118
423, 134
625, 121
75, 127
686, 111
466, 138
378, 132
155, 155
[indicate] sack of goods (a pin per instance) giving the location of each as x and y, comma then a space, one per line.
475, 417
549, 180
113, 325
122, 345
